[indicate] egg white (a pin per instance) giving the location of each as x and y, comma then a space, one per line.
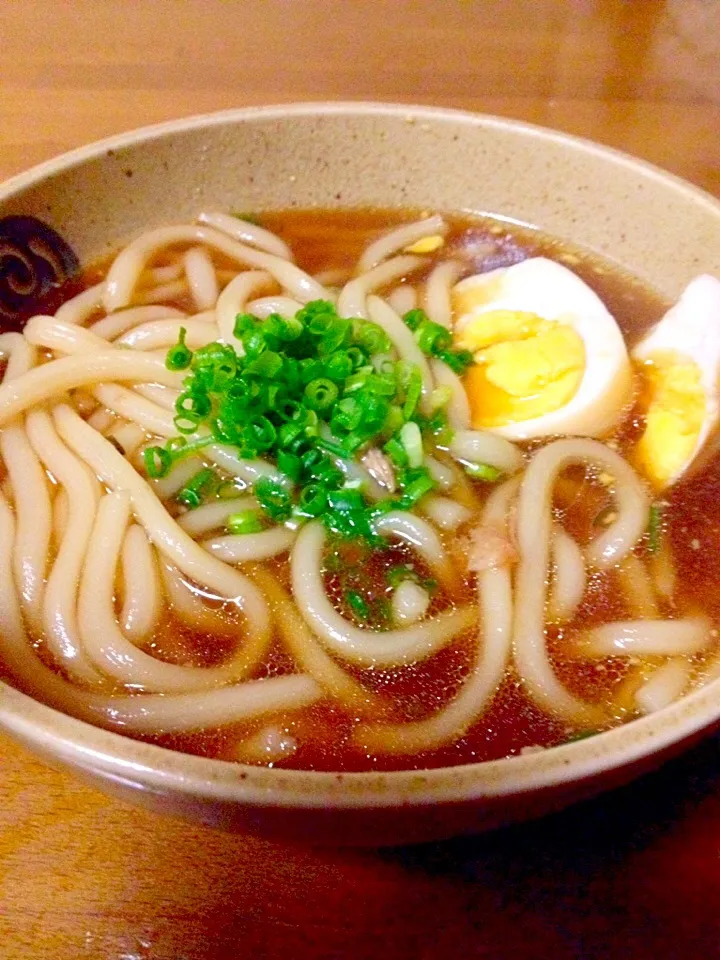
691, 331
554, 293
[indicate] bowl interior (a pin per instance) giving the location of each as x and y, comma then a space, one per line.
661, 229
348, 155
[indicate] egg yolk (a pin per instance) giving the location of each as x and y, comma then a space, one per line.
524, 367
675, 402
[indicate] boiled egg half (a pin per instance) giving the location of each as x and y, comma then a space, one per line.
549, 357
679, 365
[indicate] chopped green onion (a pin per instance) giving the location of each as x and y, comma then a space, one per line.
273, 498
654, 528
193, 493
396, 451
247, 521
457, 360
483, 471
290, 464
414, 318
358, 604
267, 364
179, 357
303, 392
320, 394
345, 500
415, 489
157, 462
432, 338
313, 500
247, 217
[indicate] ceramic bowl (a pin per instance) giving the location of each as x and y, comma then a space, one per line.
345, 155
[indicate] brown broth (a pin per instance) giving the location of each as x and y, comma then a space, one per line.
324, 240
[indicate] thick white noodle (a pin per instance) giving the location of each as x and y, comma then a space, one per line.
569, 578
128, 404
480, 446
445, 513
151, 713
201, 278
403, 340
443, 474
45, 382
403, 298
161, 334
154, 276
102, 420
368, 648
19, 354
159, 294
118, 323
637, 588
61, 336
31, 498
123, 275
247, 232
59, 516
180, 473
105, 642
353, 296
495, 598
233, 300
264, 306
167, 536
268, 746
646, 638
437, 301
164, 397
310, 657
397, 239
662, 569
248, 470
246, 547
212, 708
189, 607
417, 532
211, 516
27, 481
141, 588
12, 631
129, 436
409, 603
59, 613
80, 308
458, 408
663, 687
534, 524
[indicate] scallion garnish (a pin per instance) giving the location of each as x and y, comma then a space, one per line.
247, 521
654, 528
309, 393
358, 605
179, 356
483, 471
195, 491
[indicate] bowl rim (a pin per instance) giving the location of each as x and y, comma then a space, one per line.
130, 761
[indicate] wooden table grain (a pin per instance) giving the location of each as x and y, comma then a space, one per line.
632, 874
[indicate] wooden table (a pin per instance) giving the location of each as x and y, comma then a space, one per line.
635, 874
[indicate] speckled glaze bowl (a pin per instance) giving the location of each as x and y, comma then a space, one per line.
658, 227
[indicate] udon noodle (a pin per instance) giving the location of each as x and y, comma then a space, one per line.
493, 584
